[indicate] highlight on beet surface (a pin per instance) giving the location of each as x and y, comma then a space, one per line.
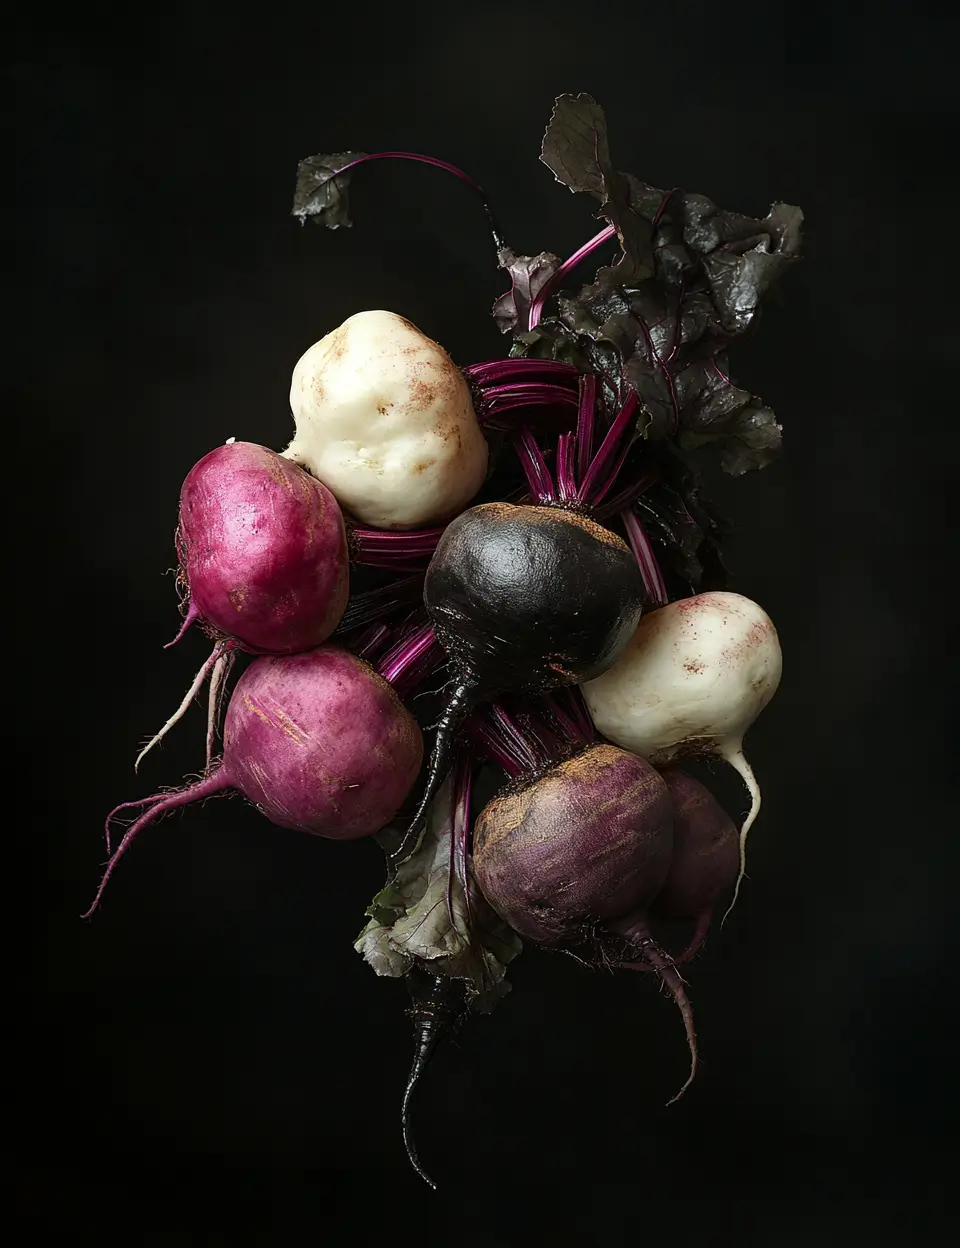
480, 610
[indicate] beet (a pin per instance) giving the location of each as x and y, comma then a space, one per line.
523, 599
574, 856
263, 550
318, 742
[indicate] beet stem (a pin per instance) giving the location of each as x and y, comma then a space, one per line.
566, 472
586, 423
643, 552
599, 473
534, 466
438, 164
536, 308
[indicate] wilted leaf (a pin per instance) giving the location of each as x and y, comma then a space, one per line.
321, 191
411, 922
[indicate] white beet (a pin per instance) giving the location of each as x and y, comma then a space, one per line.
384, 418
693, 678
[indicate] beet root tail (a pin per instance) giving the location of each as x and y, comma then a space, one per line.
196, 686
739, 763
437, 1007
670, 978
193, 614
161, 805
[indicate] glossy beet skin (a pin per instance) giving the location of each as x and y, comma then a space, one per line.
573, 859
531, 598
585, 844
318, 742
263, 550
705, 861
523, 599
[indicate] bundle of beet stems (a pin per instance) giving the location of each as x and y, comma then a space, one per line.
506, 573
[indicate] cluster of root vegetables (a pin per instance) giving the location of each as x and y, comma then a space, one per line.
489, 515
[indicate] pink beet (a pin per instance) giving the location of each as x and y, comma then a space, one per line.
263, 550
317, 741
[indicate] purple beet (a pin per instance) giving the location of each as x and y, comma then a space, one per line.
318, 742
706, 858
573, 857
263, 550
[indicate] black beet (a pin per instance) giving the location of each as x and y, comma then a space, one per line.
523, 599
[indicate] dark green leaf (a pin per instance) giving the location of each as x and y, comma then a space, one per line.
576, 151
321, 191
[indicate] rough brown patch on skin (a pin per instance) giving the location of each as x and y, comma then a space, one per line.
422, 395
694, 668
422, 465
384, 408
548, 515
337, 343
238, 597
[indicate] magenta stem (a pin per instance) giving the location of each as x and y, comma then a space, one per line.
627, 494
570, 701
437, 164
378, 543
412, 658
492, 372
566, 474
534, 467
586, 423
646, 559
536, 308
524, 394
513, 736
493, 746
609, 458
371, 642
374, 605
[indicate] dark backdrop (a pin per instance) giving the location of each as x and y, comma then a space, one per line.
208, 1061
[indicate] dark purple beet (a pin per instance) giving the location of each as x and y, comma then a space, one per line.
523, 599
318, 742
572, 859
263, 550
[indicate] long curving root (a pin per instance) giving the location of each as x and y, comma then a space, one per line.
219, 650
159, 804
737, 760
651, 953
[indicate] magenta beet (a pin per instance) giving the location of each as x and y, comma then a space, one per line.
263, 550
318, 742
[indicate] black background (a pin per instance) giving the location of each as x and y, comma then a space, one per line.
208, 1061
